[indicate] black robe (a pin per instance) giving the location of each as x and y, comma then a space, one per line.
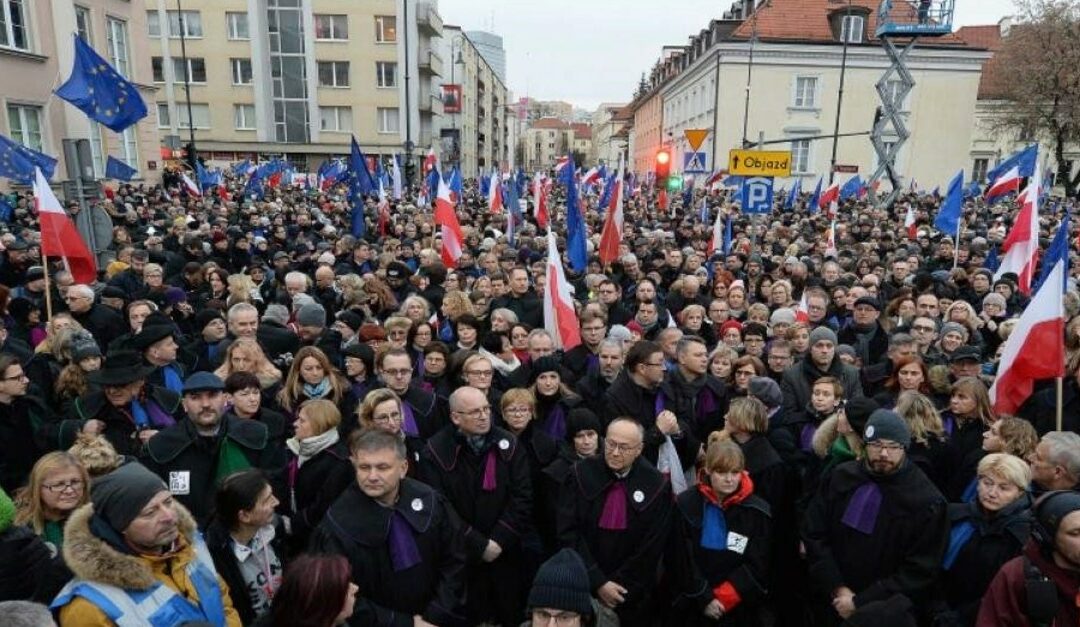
626, 398
358, 527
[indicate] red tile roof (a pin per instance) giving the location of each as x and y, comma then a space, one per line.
550, 123
582, 130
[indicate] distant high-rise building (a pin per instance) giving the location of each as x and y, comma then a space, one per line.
490, 47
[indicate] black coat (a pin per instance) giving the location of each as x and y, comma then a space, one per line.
701, 404
430, 411
626, 398
179, 455
22, 440
24, 561
593, 391
313, 489
996, 540
276, 340
770, 475
698, 570
902, 554
628, 557
496, 590
120, 428
529, 308
104, 323
962, 455
358, 528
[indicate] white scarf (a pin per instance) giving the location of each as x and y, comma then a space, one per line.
310, 447
504, 367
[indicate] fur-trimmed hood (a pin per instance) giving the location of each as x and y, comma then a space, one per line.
827, 433
94, 559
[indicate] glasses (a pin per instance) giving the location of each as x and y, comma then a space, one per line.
618, 447
16, 377
483, 374
400, 372
656, 365
479, 412
881, 447
745, 373
922, 328
393, 416
57, 488
518, 410
544, 617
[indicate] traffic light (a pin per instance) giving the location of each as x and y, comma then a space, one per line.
674, 182
663, 164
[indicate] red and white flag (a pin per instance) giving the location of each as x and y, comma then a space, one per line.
453, 241
611, 235
830, 243
829, 199
189, 185
560, 164
560, 318
802, 310
1006, 183
717, 239
714, 182
1021, 246
430, 161
540, 200
495, 196
909, 223
59, 237
1035, 349
590, 177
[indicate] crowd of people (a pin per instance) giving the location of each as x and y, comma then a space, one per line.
255, 417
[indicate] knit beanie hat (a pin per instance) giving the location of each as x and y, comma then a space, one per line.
119, 496
205, 317
175, 295
562, 583
953, 327
311, 316
581, 419
993, 298
351, 319
858, 411
887, 425
784, 315
547, 363
1052, 508
84, 348
767, 391
823, 333
730, 324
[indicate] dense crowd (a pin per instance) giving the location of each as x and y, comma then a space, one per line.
256, 417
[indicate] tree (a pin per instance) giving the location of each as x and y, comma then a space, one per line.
1039, 65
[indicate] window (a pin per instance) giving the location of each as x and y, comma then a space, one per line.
332, 27
388, 120
244, 117
333, 73
979, 169
851, 29
129, 148
337, 119
237, 25
97, 149
14, 31
800, 156
153, 24
805, 96
82, 24
163, 117
385, 29
386, 74
192, 23
25, 124
196, 70
116, 32
200, 115
241, 71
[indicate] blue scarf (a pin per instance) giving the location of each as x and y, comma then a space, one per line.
317, 391
958, 537
173, 380
138, 412
713, 528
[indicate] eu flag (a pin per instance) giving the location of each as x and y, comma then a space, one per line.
948, 217
117, 169
17, 162
6, 210
576, 250
98, 90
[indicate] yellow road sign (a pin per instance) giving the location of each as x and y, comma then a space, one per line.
760, 162
694, 137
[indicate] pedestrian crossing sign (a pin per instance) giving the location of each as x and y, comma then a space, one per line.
694, 163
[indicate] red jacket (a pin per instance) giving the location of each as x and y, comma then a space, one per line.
1005, 603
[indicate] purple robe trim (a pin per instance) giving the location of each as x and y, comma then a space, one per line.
613, 517
489, 471
863, 508
404, 553
408, 420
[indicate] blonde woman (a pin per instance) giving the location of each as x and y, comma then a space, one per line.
747, 424
927, 448
245, 355
318, 468
58, 485
242, 290
382, 410
454, 305
415, 308
51, 355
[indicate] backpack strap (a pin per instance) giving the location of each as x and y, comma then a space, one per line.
1042, 596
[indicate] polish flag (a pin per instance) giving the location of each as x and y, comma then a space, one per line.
495, 196
717, 239
560, 164
830, 243
802, 310
909, 223
189, 185
1021, 246
590, 177
59, 237
540, 201
611, 235
829, 198
560, 318
1036, 349
1004, 184
714, 182
430, 161
453, 242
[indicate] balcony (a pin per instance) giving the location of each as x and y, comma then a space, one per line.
430, 62
428, 20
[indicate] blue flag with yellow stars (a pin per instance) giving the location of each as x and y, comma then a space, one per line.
98, 90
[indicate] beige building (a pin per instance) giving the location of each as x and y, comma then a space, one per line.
794, 84
583, 143
298, 77
477, 136
36, 56
605, 126
544, 141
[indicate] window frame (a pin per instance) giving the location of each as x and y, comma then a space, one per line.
380, 29
334, 35
238, 113
808, 155
342, 112
382, 115
236, 70
380, 77
195, 106
168, 115
334, 65
87, 29
114, 26
229, 24
175, 34
178, 78
20, 132
8, 31
848, 33
814, 95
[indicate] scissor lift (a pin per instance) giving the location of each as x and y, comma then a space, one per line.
901, 22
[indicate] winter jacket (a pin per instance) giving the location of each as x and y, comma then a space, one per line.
1006, 602
313, 488
798, 382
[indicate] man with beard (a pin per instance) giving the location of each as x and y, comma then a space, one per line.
594, 385
521, 300
400, 537
195, 454
876, 528
484, 474
615, 511
696, 397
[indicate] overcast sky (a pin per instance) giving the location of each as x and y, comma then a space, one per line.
592, 51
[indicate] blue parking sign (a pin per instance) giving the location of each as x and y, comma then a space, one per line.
757, 194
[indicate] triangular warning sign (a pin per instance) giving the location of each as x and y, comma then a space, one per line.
694, 136
695, 164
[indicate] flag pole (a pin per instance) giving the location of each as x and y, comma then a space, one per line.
956, 245
1058, 402
48, 290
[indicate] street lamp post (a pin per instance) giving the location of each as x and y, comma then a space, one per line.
187, 78
840, 93
456, 44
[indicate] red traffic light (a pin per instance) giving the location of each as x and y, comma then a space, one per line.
663, 163
663, 157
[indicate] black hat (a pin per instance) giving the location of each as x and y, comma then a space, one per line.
887, 425
151, 334
351, 319
121, 368
84, 348
858, 411
1050, 510
397, 270
112, 291
364, 353
281, 254
965, 353
868, 300
205, 317
35, 273
562, 583
203, 382
547, 363
18, 245
581, 419
120, 495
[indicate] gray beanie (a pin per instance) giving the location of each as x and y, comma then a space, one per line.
562, 583
767, 391
887, 425
311, 316
993, 298
954, 327
822, 333
784, 315
119, 496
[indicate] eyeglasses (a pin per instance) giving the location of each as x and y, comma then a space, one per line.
400, 372
745, 373
17, 377
882, 447
544, 617
479, 412
483, 374
393, 416
922, 328
618, 447
58, 488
